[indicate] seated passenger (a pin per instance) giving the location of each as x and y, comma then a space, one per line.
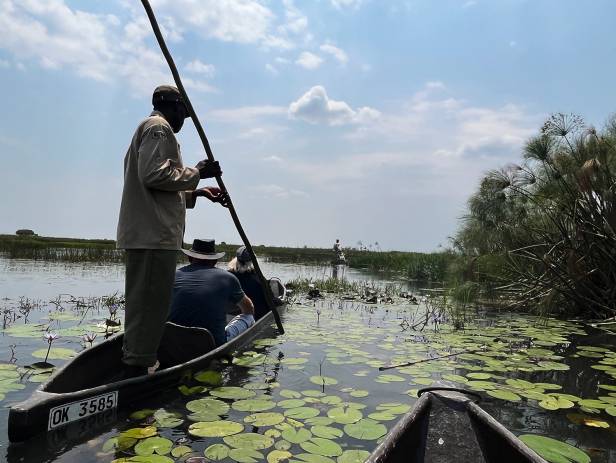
241, 266
202, 292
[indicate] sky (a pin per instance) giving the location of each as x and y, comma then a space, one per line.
363, 120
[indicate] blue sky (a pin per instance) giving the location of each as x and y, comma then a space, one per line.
362, 120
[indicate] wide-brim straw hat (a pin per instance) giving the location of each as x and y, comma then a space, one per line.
203, 249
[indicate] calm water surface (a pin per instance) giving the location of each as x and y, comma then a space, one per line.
324, 366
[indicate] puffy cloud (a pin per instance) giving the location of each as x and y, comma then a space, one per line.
316, 107
200, 67
336, 52
309, 60
340, 4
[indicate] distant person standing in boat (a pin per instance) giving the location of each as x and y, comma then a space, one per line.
338, 250
202, 292
157, 191
242, 267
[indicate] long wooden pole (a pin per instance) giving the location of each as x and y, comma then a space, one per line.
208, 151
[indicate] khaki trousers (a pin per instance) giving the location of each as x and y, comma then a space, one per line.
150, 274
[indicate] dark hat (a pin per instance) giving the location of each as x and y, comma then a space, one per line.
203, 249
167, 93
243, 255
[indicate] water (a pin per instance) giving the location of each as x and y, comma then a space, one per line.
329, 355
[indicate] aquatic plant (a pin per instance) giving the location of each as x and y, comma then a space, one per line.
50, 338
89, 338
550, 222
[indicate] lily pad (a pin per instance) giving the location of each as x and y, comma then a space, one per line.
323, 380
245, 455
291, 403
253, 405
232, 392
264, 419
55, 353
326, 432
210, 377
296, 436
249, 440
553, 450
301, 413
158, 445
119, 444
353, 456
345, 415
217, 452
207, 405
504, 395
366, 429
277, 456
180, 451
323, 447
140, 433
219, 428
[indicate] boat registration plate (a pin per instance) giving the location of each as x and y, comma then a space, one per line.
67, 413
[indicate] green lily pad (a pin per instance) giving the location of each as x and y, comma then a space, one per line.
591, 403
289, 394
158, 445
277, 456
232, 392
359, 393
140, 433
504, 395
210, 377
323, 380
311, 458
326, 432
388, 378
217, 452
141, 414
553, 450
296, 436
249, 440
291, 403
185, 390
253, 405
245, 455
366, 429
353, 456
55, 353
611, 410
323, 447
345, 415
207, 405
319, 421
264, 419
144, 459
301, 413
119, 444
180, 451
165, 419
219, 428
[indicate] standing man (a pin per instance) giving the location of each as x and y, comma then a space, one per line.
157, 191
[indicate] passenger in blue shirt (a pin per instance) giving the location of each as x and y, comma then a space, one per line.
202, 293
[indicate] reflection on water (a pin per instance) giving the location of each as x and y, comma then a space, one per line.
327, 361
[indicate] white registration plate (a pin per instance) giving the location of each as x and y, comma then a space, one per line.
63, 414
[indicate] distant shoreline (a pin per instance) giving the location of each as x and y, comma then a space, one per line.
414, 265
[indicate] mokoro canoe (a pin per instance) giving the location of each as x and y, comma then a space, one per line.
86, 387
446, 425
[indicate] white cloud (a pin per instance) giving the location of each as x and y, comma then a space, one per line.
339, 54
271, 69
469, 3
200, 67
309, 60
273, 158
340, 4
317, 108
296, 21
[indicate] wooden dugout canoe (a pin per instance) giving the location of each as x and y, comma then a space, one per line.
445, 425
84, 389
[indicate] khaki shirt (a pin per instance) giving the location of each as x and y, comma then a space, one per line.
154, 198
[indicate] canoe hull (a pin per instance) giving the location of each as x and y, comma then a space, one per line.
446, 426
32, 416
